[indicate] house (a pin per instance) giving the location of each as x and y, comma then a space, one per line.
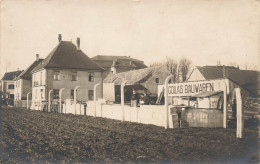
141, 80
8, 84
117, 64
64, 69
247, 79
23, 83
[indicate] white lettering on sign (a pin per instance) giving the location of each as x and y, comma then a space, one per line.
193, 88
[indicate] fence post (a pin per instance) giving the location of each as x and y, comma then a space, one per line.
60, 95
95, 99
49, 101
166, 101
75, 99
240, 114
123, 99
225, 106
28, 100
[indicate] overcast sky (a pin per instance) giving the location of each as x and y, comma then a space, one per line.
203, 30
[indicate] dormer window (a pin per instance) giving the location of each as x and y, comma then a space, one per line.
56, 75
91, 77
74, 76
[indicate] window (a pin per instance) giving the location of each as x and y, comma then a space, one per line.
170, 81
10, 86
91, 77
74, 76
157, 80
42, 94
11, 96
56, 75
90, 95
55, 93
72, 94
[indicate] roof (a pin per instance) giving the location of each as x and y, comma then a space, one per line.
207, 94
248, 79
66, 56
132, 77
11, 75
27, 73
121, 61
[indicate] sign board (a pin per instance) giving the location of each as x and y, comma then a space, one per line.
196, 87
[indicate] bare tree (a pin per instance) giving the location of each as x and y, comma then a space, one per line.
172, 66
234, 64
218, 63
184, 68
154, 64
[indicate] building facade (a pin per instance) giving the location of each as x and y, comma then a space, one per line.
23, 83
117, 64
143, 81
8, 84
64, 69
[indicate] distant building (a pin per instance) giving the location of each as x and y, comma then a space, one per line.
65, 67
117, 64
23, 83
141, 80
247, 79
8, 84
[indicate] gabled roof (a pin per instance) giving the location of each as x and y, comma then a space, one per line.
27, 73
121, 61
66, 56
247, 79
133, 77
11, 75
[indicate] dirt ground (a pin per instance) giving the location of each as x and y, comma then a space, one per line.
35, 136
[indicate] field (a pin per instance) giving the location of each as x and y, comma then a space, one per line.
34, 136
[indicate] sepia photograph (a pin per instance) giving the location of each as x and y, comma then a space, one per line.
130, 81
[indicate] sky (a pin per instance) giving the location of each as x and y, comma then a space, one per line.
204, 31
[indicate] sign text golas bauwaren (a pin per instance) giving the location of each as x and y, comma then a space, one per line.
196, 87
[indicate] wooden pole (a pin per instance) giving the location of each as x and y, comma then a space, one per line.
95, 98
49, 101
123, 99
60, 95
225, 106
75, 99
240, 114
28, 100
166, 101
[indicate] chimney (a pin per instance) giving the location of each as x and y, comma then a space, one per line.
37, 57
60, 38
224, 72
78, 43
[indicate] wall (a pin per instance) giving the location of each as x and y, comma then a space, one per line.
209, 118
195, 75
151, 85
65, 81
145, 114
7, 91
22, 103
27, 87
18, 89
109, 91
